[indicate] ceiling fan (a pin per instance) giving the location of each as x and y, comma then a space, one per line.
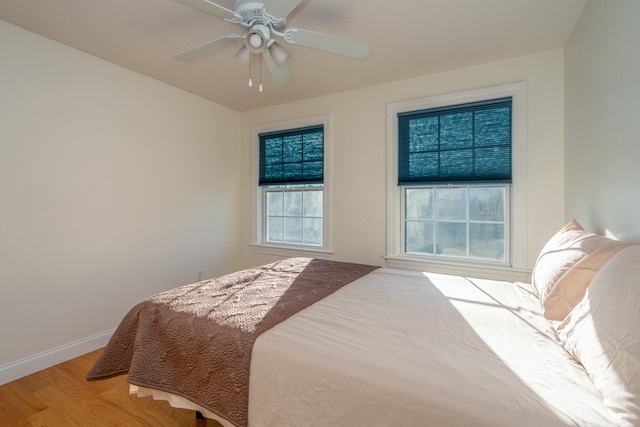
261, 20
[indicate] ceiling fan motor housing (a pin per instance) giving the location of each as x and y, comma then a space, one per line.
249, 9
253, 12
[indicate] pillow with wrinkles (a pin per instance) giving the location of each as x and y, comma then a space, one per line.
559, 254
567, 264
570, 288
602, 332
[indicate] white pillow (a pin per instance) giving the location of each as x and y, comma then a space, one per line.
566, 265
559, 254
602, 332
570, 288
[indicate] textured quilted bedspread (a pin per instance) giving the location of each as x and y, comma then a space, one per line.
196, 340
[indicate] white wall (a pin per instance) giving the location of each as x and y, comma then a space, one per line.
113, 187
359, 153
602, 122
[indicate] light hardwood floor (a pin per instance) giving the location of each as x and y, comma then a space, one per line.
61, 397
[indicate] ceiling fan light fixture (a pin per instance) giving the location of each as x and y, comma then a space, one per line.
278, 53
255, 40
244, 56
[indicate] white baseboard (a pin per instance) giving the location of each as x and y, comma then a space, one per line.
37, 362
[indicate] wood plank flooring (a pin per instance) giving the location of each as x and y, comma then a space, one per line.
61, 397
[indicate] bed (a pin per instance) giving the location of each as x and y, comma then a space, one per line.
389, 347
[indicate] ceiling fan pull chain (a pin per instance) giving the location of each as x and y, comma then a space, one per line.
260, 87
250, 80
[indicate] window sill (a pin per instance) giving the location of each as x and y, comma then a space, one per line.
290, 251
503, 273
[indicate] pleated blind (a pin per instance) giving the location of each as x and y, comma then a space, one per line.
466, 143
294, 156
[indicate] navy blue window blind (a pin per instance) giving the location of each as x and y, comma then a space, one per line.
466, 143
294, 156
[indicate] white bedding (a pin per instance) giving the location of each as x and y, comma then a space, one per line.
402, 348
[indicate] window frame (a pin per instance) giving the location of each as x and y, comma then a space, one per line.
515, 268
259, 244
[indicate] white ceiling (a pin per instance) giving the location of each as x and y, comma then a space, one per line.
408, 38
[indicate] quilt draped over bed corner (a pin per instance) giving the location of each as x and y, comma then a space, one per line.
196, 340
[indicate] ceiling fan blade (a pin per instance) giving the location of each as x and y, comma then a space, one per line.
280, 74
210, 8
281, 8
328, 42
208, 47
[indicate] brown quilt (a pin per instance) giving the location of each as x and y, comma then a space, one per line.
196, 340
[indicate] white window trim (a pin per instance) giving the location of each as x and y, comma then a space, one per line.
287, 250
518, 214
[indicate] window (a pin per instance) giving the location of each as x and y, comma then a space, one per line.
453, 190
442, 148
292, 187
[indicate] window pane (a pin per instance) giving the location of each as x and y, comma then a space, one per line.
273, 151
273, 172
419, 237
451, 203
275, 229
290, 171
456, 130
423, 134
451, 239
486, 203
497, 161
313, 231
293, 203
456, 164
313, 147
419, 203
486, 241
293, 230
423, 164
493, 127
312, 169
275, 203
292, 149
312, 203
